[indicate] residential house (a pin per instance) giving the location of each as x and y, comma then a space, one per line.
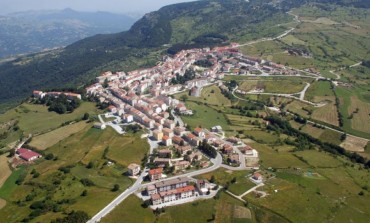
199, 132
167, 141
180, 131
167, 132
127, 118
133, 169
227, 149
158, 135
155, 174
183, 149
165, 153
177, 140
181, 165
169, 124
162, 162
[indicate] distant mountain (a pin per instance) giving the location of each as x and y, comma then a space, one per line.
192, 24
33, 31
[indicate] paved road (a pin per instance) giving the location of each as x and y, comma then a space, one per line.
177, 118
137, 185
283, 95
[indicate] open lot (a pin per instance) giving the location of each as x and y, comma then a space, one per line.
200, 111
46, 140
354, 144
283, 86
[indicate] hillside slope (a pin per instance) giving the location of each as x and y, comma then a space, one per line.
33, 31
186, 23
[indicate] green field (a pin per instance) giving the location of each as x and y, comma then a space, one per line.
46, 140
36, 119
211, 95
318, 88
279, 85
200, 111
76, 151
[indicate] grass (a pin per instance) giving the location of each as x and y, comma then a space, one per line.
276, 158
79, 149
46, 140
9, 185
317, 89
131, 211
242, 185
283, 86
5, 171
345, 96
261, 136
37, 119
319, 159
327, 113
200, 111
132, 150
211, 95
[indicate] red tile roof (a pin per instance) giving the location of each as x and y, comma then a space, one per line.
155, 171
27, 154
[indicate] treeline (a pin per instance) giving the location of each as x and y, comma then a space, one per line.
189, 75
279, 125
207, 40
207, 149
73, 217
366, 63
60, 104
203, 63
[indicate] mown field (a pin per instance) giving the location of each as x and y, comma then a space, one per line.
46, 140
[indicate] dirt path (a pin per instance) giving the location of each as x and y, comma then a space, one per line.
2, 203
5, 171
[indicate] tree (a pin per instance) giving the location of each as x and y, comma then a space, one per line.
11, 153
86, 116
115, 188
84, 193
184, 98
212, 180
106, 83
90, 165
49, 156
343, 137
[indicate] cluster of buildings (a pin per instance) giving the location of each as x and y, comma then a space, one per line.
69, 95
177, 189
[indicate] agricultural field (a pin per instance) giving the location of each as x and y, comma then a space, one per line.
5, 171
34, 118
353, 107
318, 89
83, 156
354, 144
277, 157
327, 113
46, 140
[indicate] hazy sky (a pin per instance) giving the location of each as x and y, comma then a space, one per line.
8, 6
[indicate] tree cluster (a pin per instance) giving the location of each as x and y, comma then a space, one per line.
189, 75
207, 149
